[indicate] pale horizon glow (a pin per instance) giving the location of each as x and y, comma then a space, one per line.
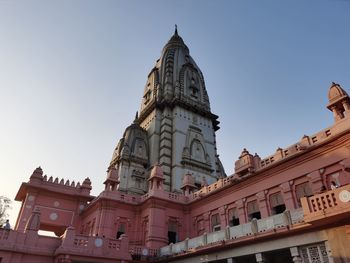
72, 75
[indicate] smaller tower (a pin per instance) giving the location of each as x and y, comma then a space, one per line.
156, 178
188, 185
112, 181
339, 102
37, 175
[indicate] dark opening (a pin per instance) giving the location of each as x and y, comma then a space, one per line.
121, 230
199, 186
256, 215
217, 228
278, 256
171, 237
279, 209
119, 233
234, 221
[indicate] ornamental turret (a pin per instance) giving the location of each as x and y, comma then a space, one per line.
339, 102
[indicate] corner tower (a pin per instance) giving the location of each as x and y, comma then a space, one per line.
175, 113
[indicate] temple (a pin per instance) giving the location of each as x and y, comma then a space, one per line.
167, 197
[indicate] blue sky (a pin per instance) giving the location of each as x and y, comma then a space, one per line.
72, 75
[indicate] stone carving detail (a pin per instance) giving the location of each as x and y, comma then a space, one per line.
192, 87
151, 89
195, 153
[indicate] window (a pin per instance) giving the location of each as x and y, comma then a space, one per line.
172, 233
277, 204
121, 230
253, 210
314, 253
233, 219
215, 223
302, 190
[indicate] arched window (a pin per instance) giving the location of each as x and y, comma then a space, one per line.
215, 222
277, 203
253, 210
121, 230
302, 190
172, 232
233, 219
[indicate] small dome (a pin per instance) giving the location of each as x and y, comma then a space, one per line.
157, 171
38, 172
336, 93
86, 183
244, 153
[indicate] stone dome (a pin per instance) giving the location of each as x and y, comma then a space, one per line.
133, 145
336, 93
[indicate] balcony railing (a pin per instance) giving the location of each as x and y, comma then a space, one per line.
331, 204
253, 228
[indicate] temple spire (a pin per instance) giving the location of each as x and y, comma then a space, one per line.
176, 34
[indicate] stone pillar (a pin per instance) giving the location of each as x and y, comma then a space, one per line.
287, 195
316, 181
346, 105
240, 211
26, 210
336, 114
222, 213
156, 227
260, 258
230, 260
206, 217
295, 255
262, 202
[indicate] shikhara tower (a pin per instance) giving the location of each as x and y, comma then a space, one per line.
175, 128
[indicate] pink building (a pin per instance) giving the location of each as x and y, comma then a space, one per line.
167, 197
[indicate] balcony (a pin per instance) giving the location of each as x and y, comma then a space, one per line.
328, 207
232, 235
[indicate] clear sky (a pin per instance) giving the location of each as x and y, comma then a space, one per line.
72, 75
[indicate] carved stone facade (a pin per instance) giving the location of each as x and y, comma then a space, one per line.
178, 126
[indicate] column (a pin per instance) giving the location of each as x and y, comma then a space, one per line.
336, 114
346, 105
316, 181
264, 211
222, 213
294, 251
240, 211
287, 195
206, 217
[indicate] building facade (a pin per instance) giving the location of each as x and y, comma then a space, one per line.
167, 197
